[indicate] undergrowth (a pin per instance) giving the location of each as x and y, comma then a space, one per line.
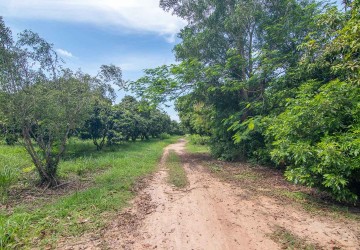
261, 180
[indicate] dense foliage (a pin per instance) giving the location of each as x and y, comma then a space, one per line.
42, 104
272, 81
128, 120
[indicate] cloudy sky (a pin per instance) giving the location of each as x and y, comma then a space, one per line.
133, 34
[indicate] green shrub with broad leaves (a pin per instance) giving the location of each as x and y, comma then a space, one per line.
199, 139
318, 138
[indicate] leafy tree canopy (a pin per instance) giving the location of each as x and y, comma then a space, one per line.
41, 102
272, 81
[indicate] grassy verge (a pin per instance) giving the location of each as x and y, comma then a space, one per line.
197, 149
288, 240
13, 162
269, 182
177, 175
317, 206
113, 173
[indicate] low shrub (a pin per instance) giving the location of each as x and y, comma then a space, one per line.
199, 140
164, 136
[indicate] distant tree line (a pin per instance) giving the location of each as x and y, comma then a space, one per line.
277, 82
128, 120
42, 104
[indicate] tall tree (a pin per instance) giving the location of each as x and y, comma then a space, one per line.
277, 82
43, 102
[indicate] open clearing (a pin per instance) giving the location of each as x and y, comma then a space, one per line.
223, 211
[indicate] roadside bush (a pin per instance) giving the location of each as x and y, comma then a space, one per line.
164, 136
199, 140
318, 138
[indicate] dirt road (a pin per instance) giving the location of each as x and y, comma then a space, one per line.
213, 214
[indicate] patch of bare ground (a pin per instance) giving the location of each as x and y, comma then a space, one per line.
264, 181
33, 196
298, 215
225, 206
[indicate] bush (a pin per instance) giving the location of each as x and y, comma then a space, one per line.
164, 136
11, 139
317, 138
199, 140
225, 150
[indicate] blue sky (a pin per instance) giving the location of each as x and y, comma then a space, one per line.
132, 34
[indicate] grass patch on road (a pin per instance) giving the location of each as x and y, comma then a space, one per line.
290, 241
111, 175
297, 196
177, 174
247, 175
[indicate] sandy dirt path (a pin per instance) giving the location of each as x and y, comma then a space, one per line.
199, 217
213, 214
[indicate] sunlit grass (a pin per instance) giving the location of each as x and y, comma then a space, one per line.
197, 149
113, 171
177, 174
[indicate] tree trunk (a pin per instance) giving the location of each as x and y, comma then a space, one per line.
47, 167
49, 179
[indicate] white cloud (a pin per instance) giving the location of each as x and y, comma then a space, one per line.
64, 53
129, 15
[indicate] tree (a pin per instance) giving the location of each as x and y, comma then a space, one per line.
100, 124
42, 102
317, 134
274, 81
317, 138
194, 115
159, 122
139, 119
130, 123
176, 128
231, 51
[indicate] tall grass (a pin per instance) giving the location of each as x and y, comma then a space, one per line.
7, 177
13, 159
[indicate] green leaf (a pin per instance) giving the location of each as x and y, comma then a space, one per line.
251, 125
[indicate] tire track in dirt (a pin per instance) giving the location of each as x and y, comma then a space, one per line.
212, 214
199, 217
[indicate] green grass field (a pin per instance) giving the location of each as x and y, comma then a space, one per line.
110, 177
